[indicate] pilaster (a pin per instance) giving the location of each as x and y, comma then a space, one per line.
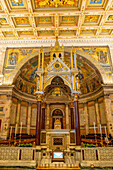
48, 116
107, 103
67, 116
18, 115
29, 119
97, 114
86, 118
5, 132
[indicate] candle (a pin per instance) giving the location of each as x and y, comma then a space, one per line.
100, 129
21, 128
10, 131
15, 129
94, 127
105, 131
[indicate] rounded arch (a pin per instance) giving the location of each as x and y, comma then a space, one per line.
98, 68
13, 75
49, 80
57, 109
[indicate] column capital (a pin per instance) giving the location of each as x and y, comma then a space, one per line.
71, 105
43, 105
39, 97
75, 97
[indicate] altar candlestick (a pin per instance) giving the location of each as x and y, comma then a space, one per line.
105, 131
21, 128
94, 127
100, 129
15, 129
10, 131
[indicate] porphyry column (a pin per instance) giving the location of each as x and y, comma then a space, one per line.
38, 120
77, 121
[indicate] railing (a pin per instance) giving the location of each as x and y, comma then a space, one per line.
16, 153
101, 157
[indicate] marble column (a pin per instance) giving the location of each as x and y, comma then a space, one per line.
43, 117
72, 115
77, 121
18, 115
29, 119
97, 115
108, 113
67, 116
38, 120
86, 118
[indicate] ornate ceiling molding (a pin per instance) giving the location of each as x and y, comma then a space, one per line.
65, 42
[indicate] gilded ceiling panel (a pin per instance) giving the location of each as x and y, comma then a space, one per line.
88, 31
44, 21
46, 32
67, 32
8, 33
1, 8
21, 21
25, 33
109, 19
3, 22
16, 4
51, 18
55, 3
96, 4
69, 20
106, 32
92, 19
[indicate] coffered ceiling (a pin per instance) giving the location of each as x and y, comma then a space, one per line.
46, 19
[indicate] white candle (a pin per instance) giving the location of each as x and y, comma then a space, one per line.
15, 129
10, 131
100, 129
21, 128
105, 131
94, 127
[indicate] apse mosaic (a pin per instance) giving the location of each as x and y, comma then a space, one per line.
100, 54
26, 81
15, 55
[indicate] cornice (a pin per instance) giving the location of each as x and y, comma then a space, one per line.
48, 42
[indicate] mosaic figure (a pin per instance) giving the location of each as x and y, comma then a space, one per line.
38, 83
102, 57
13, 58
32, 89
